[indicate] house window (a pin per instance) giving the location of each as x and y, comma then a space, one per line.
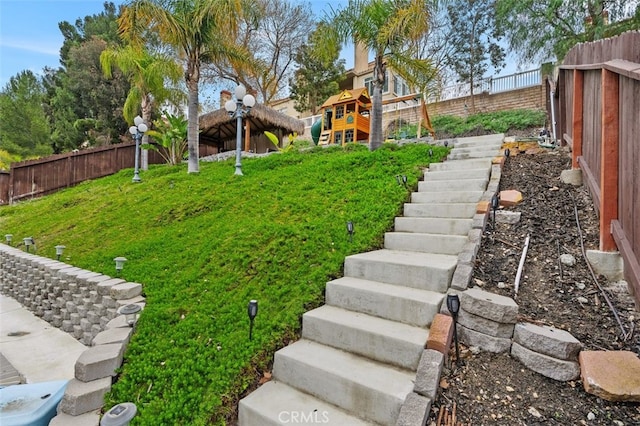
338, 138
368, 83
348, 135
400, 86
339, 111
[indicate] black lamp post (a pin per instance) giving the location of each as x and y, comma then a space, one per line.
495, 202
453, 305
119, 264
137, 130
59, 251
252, 311
238, 109
507, 153
350, 230
28, 242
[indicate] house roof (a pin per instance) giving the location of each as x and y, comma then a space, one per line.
218, 126
360, 94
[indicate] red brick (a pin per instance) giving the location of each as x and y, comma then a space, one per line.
482, 207
510, 197
441, 334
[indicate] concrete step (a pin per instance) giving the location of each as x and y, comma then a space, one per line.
424, 243
394, 302
373, 390
277, 404
478, 148
453, 185
428, 225
477, 163
446, 197
479, 140
472, 155
440, 210
390, 342
426, 271
482, 173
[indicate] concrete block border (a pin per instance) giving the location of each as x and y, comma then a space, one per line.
84, 304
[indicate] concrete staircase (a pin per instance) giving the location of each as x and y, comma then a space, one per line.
356, 362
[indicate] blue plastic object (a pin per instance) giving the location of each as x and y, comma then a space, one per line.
33, 404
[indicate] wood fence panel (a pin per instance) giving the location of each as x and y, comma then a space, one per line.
592, 126
630, 176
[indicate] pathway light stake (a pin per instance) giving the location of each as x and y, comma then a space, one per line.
404, 180
59, 251
119, 264
350, 230
130, 313
137, 130
238, 109
507, 153
430, 152
495, 202
453, 305
8, 237
252, 311
28, 242
119, 415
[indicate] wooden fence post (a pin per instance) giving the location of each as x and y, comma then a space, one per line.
576, 133
609, 158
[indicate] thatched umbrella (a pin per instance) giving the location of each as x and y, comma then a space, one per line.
217, 128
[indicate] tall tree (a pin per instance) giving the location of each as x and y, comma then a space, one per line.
316, 78
24, 129
543, 30
82, 106
99, 101
270, 32
152, 77
388, 28
198, 30
474, 40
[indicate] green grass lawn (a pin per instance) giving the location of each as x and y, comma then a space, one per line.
204, 244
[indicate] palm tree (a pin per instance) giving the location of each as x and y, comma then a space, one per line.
147, 73
388, 28
198, 30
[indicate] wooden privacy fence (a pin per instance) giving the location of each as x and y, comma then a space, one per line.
35, 178
599, 117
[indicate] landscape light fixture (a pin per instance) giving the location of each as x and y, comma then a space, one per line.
137, 130
119, 264
430, 152
252, 311
59, 251
453, 305
507, 152
28, 242
350, 230
8, 237
238, 109
446, 143
130, 313
404, 180
495, 202
119, 415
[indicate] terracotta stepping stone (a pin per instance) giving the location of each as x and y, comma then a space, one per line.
510, 197
611, 375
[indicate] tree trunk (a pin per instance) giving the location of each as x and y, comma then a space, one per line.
192, 127
375, 126
146, 117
